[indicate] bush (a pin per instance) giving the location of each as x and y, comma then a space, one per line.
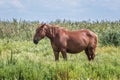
111, 37
108, 32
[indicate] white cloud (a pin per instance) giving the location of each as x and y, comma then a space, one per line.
1, 2
108, 4
63, 4
112, 4
59, 3
16, 3
60, 8
11, 3
72, 2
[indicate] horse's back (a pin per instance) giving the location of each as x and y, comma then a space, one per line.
82, 33
82, 39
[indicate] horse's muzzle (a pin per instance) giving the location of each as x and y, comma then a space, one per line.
35, 41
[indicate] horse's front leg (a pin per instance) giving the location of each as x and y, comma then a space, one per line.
56, 54
64, 54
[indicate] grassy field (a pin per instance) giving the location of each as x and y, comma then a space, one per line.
26, 61
20, 59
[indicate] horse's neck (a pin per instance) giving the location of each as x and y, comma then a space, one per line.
51, 32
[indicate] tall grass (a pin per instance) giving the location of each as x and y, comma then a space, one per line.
20, 59
22, 30
26, 61
108, 32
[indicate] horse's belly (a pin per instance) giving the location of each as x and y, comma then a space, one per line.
74, 50
76, 45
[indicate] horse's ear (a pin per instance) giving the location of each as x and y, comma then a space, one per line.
43, 24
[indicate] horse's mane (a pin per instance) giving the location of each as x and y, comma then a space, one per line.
53, 29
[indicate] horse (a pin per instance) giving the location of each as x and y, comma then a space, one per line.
66, 41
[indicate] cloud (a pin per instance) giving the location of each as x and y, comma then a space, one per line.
52, 9
72, 3
16, 3
112, 4
108, 4
59, 4
11, 3
62, 4
1, 2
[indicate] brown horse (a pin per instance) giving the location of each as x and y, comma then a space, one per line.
63, 40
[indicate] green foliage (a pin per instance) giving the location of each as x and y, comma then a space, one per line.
22, 60
111, 37
108, 32
22, 30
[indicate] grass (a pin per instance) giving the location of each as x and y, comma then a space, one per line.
23, 60
108, 32
20, 59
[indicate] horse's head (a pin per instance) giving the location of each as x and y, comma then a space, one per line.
40, 33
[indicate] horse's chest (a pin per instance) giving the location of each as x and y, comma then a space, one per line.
57, 44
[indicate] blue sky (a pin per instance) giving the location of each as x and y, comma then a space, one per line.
50, 10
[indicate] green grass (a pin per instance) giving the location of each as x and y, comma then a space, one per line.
108, 32
23, 60
20, 59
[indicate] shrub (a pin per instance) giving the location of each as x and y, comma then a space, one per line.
108, 32
111, 37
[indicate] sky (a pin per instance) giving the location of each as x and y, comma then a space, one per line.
50, 10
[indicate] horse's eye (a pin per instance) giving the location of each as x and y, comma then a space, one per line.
40, 30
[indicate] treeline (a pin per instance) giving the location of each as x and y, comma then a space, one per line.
107, 31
